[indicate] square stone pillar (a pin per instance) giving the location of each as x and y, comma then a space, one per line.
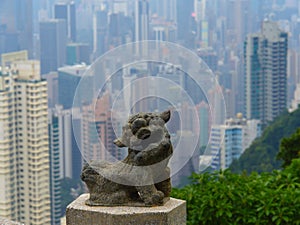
172, 213
4, 221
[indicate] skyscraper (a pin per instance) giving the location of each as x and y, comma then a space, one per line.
55, 169
99, 145
265, 56
141, 20
229, 141
205, 122
77, 53
24, 150
210, 57
100, 32
120, 29
62, 141
53, 40
67, 11
68, 80
164, 9
65, 157
185, 9
16, 26
25, 25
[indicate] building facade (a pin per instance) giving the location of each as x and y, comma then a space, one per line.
62, 141
230, 140
53, 41
77, 53
98, 133
65, 156
141, 20
265, 56
55, 187
141, 25
100, 32
16, 26
67, 11
68, 81
24, 147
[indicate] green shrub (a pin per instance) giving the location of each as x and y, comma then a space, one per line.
225, 198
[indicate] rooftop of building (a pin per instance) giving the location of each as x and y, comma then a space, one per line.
75, 70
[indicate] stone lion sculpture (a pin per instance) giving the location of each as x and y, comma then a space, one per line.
143, 177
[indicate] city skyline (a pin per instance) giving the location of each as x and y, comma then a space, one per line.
235, 67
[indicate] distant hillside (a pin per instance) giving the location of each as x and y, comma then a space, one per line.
261, 155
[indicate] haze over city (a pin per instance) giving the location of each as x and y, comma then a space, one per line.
73, 71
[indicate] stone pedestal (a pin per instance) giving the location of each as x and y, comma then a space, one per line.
4, 221
172, 213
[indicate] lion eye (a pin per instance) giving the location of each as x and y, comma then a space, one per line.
137, 124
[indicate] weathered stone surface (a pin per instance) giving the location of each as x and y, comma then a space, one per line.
171, 213
4, 221
143, 177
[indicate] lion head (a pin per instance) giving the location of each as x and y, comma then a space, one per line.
143, 129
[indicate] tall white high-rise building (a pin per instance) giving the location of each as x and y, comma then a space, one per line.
24, 150
265, 56
230, 140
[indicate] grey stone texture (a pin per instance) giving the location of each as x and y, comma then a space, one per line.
143, 177
173, 212
4, 221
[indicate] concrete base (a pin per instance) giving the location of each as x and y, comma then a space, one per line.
173, 212
4, 221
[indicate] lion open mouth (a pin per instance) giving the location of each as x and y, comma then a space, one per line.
143, 133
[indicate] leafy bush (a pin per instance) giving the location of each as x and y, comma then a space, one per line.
225, 198
289, 148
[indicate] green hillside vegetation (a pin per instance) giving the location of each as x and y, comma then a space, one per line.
261, 155
289, 148
70, 190
223, 198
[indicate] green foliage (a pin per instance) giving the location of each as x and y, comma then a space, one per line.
70, 190
290, 148
261, 155
223, 198
294, 168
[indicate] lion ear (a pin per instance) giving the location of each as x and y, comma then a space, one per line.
166, 115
